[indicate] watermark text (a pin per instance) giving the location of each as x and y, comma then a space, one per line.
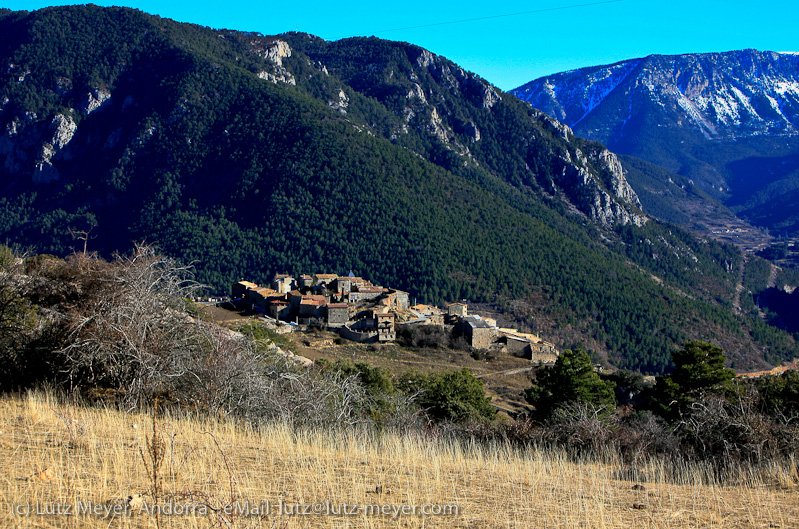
243, 508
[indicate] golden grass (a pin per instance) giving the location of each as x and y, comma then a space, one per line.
55, 454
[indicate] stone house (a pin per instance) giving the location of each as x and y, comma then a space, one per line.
279, 309
338, 314
324, 279
359, 282
342, 285
354, 297
517, 346
478, 332
425, 310
435, 319
368, 293
259, 296
312, 311
385, 327
239, 290
397, 299
457, 309
283, 283
294, 298
402, 300
544, 352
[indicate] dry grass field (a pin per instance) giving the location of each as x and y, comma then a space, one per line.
95, 466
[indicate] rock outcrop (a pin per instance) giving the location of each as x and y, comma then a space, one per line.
95, 99
275, 53
63, 129
593, 179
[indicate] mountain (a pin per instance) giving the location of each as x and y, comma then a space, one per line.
725, 124
249, 155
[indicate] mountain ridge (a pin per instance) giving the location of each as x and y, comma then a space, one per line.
702, 97
707, 117
252, 154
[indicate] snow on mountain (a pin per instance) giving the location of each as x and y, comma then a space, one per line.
728, 123
721, 95
575, 94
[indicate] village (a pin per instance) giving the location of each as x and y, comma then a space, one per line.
366, 313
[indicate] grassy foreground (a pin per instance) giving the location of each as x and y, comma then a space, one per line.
90, 463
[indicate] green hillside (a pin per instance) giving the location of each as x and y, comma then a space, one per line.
181, 138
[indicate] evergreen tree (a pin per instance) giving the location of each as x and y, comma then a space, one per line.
699, 368
451, 395
572, 379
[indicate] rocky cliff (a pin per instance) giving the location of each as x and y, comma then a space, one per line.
461, 113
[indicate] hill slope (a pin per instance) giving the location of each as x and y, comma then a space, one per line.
251, 155
278, 470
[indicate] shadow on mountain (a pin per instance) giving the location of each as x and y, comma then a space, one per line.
783, 306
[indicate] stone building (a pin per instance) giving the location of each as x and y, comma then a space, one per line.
518, 346
239, 290
312, 311
478, 332
425, 310
354, 297
398, 299
338, 314
279, 309
342, 285
282, 283
324, 279
294, 298
385, 327
544, 352
259, 296
457, 309
367, 293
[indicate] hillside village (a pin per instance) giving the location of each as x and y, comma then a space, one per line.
363, 312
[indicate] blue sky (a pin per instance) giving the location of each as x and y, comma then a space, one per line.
540, 37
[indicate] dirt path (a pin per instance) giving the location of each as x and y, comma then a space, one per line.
772, 278
739, 286
507, 372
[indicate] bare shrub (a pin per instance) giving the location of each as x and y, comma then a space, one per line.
21, 324
131, 330
734, 431
425, 336
292, 394
213, 375
642, 435
583, 428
